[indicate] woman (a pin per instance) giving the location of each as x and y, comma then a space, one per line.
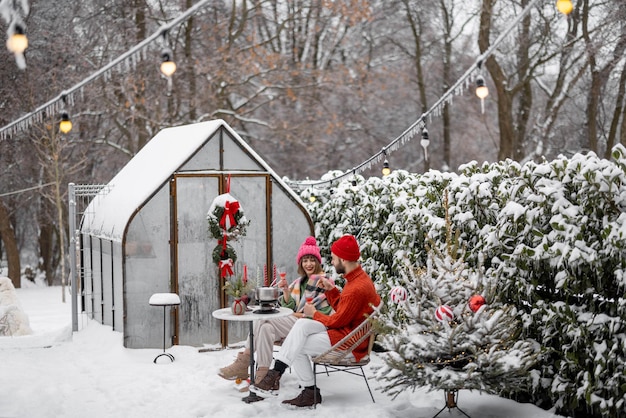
268, 332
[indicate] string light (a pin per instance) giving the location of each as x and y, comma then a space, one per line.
24, 122
409, 133
564, 6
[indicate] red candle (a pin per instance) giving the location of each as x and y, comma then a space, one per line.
245, 274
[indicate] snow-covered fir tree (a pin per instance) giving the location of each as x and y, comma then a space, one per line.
446, 328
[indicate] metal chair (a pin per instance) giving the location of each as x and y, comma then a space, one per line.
338, 358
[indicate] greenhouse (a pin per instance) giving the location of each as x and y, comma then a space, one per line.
147, 232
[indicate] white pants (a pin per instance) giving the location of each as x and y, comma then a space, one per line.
265, 334
307, 338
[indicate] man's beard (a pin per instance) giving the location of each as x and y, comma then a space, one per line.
339, 268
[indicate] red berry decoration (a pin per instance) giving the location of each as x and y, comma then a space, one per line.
444, 313
475, 302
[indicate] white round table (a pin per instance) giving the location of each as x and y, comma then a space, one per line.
226, 314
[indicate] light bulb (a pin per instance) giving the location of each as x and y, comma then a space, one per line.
424, 142
168, 67
481, 89
386, 170
312, 199
17, 42
66, 124
564, 6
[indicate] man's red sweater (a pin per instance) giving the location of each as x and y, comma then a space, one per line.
351, 305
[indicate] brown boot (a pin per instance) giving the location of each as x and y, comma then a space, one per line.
269, 385
306, 399
237, 370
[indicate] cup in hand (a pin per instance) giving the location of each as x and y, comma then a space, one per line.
309, 299
282, 283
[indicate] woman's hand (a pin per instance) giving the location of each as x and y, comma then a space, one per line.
282, 283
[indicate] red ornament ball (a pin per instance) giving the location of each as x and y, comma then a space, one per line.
475, 302
444, 313
398, 294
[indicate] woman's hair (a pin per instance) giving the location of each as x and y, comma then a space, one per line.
318, 266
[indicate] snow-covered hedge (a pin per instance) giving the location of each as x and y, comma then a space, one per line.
555, 234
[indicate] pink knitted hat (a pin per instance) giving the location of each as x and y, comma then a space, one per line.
309, 247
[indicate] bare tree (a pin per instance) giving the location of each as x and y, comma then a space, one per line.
7, 235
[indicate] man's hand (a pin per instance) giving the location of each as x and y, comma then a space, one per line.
325, 283
309, 310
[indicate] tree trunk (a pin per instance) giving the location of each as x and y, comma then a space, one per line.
525, 89
416, 31
46, 246
7, 234
447, 60
617, 114
505, 121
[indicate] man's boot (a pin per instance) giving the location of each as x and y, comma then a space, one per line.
306, 399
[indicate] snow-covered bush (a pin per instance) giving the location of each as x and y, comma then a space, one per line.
554, 233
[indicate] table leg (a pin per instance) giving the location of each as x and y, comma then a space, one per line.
252, 397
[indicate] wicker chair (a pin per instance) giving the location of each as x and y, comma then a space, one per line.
338, 358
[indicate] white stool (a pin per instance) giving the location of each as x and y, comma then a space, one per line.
165, 300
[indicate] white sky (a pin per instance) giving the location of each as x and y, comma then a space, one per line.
53, 373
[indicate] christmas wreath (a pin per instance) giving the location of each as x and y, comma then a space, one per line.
226, 218
227, 222
220, 253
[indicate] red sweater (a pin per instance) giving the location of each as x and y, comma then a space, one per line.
351, 306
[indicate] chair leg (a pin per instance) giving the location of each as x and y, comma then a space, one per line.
366, 383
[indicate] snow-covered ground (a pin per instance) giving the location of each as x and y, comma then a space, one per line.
57, 373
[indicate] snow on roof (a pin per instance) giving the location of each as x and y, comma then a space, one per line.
108, 213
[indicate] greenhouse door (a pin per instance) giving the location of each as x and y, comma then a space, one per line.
198, 279
198, 286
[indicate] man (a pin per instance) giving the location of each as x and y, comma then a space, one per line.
317, 332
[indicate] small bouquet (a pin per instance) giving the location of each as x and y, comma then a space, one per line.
238, 288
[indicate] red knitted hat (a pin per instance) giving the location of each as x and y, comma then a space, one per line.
346, 248
309, 247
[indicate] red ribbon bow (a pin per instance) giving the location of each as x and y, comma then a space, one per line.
228, 217
226, 267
